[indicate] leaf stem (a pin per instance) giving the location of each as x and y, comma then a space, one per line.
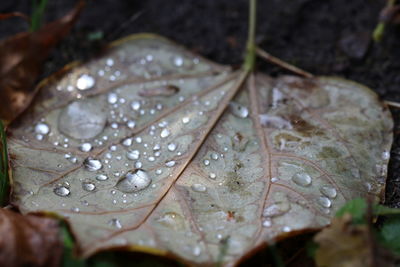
250, 46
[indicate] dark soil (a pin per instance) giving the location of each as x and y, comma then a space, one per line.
322, 37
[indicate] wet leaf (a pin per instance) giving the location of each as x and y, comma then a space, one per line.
28, 240
197, 172
21, 59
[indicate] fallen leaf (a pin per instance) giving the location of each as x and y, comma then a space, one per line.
21, 59
343, 244
28, 240
228, 163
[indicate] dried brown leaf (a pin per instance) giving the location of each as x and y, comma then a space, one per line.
28, 240
21, 59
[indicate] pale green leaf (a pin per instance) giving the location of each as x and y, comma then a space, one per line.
151, 148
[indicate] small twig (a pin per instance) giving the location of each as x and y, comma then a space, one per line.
124, 25
283, 64
392, 104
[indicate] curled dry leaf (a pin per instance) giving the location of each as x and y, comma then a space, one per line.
28, 240
21, 59
229, 162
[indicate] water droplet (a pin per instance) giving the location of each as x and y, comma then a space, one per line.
185, 120
39, 137
214, 156
172, 220
42, 128
212, 175
196, 251
85, 147
170, 163
151, 159
286, 229
101, 177
324, 202
206, 162
276, 209
138, 139
62, 191
328, 191
165, 133
115, 223
112, 98
134, 181
127, 142
385, 155
267, 223
133, 154
85, 82
178, 61
138, 164
87, 186
302, 179
199, 188
131, 124
274, 179
156, 147
110, 62
171, 147
239, 110
82, 120
92, 165
135, 105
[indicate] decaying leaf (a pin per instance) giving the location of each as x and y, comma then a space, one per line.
343, 244
21, 58
28, 240
229, 162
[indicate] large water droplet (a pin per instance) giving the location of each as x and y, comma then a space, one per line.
165, 133
199, 188
170, 163
85, 147
328, 191
92, 165
302, 179
101, 177
239, 110
324, 202
206, 162
133, 154
134, 181
214, 156
42, 128
276, 209
82, 120
85, 82
88, 186
61, 191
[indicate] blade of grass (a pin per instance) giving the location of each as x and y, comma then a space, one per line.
37, 14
